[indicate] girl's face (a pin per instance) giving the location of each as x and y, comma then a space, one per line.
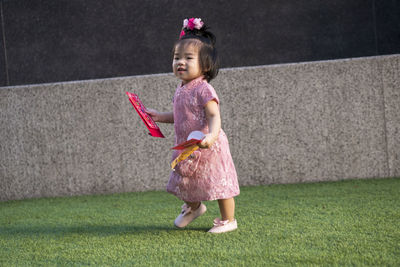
186, 64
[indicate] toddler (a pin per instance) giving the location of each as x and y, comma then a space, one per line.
209, 173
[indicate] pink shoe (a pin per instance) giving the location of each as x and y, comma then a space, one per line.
188, 215
223, 226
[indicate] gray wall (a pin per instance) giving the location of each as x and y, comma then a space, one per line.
65, 40
288, 123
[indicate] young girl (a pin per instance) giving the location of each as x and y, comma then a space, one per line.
209, 173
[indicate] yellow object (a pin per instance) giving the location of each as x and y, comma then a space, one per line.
186, 153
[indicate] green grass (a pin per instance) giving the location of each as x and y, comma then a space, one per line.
342, 223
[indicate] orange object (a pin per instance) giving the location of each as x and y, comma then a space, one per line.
186, 153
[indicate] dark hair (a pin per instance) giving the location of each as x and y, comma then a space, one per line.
208, 57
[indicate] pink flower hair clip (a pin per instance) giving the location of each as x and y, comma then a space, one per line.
191, 24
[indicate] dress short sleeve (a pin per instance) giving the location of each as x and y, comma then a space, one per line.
207, 93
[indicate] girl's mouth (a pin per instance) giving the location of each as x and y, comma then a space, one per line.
181, 69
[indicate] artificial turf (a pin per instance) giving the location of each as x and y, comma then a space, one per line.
352, 222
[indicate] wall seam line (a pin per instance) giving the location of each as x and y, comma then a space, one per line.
4, 43
375, 28
221, 71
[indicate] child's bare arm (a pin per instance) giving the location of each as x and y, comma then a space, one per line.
214, 124
166, 117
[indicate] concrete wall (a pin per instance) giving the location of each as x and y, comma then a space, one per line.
288, 123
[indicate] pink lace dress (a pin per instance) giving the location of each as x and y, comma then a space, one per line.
208, 174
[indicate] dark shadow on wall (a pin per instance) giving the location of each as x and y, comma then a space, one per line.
58, 40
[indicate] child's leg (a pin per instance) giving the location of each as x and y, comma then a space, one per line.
227, 223
227, 209
193, 205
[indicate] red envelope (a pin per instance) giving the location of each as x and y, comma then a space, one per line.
194, 138
187, 144
141, 110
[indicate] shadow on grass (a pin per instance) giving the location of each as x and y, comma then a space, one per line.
99, 230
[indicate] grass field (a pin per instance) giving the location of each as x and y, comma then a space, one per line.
342, 223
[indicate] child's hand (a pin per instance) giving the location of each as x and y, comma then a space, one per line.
154, 114
207, 142
167, 117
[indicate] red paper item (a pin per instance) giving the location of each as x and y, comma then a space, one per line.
194, 138
187, 144
141, 110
